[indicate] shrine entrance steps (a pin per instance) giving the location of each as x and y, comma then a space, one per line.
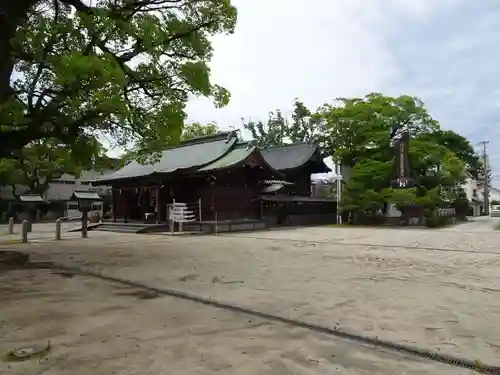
131, 227
238, 225
206, 227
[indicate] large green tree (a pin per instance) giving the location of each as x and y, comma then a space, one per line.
304, 126
121, 68
195, 130
460, 146
273, 133
361, 133
364, 127
44, 161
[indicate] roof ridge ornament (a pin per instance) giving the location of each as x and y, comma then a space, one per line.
232, 134
203, 139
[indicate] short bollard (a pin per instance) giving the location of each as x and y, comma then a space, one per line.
58, 229
24, 231
84, 224
11, 225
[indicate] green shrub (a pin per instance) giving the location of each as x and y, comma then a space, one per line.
436, 221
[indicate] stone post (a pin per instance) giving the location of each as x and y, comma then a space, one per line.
24, 231
58, 229
11, 225
85, 219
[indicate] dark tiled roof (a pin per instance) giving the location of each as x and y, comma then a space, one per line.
217, 152
291, 156
237, 155
194, 153
86, 194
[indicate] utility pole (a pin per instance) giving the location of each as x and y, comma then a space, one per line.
338, 172
486, 192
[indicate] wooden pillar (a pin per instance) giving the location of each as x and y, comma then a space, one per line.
162, 203
157, 209
214, 210
113, 205
126, 204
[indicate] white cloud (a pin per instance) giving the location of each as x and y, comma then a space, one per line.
282, 49
315, 50
419, 10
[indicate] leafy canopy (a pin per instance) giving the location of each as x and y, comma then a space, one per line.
195, 130
121, 68
44, 161
361, 133
364, 127
149, 149
304, 126
271, 134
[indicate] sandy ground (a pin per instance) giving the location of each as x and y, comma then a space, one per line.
477, 224
100, 329
433, 289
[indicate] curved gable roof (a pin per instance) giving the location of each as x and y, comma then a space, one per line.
190, 154
237, 156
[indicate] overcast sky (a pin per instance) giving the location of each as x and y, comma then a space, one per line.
447, 52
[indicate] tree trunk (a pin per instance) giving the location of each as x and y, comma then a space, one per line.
14, 192
13, 141
12, 14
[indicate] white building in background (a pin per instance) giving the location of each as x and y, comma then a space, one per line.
328, 181
475, 196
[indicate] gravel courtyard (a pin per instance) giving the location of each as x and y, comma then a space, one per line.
437, 290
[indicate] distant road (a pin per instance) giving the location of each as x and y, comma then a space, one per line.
476, 224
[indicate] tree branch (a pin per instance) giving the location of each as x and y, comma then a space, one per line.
78, 5
41, 64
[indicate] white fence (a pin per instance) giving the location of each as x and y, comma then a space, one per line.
180, 213
450, 212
